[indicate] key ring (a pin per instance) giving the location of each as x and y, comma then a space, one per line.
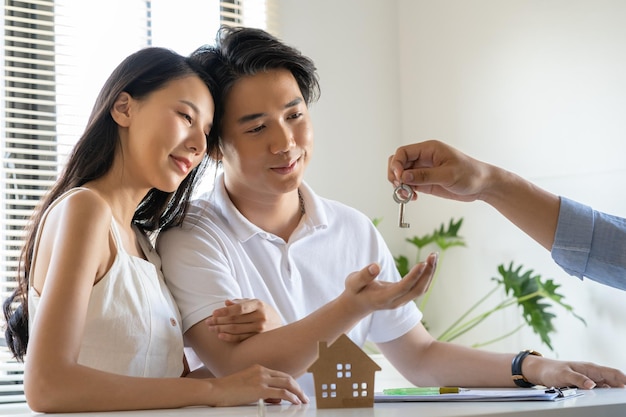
409, 194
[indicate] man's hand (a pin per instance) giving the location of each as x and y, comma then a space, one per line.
432, 167
370, 294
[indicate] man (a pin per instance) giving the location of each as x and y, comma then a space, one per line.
263, 233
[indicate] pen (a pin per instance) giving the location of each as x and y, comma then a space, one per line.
421, 391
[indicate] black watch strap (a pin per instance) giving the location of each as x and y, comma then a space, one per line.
516, 368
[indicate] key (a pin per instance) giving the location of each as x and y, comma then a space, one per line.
397, 197
401, 222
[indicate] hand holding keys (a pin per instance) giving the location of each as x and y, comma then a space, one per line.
397, 197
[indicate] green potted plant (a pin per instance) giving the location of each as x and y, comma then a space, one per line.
524, 289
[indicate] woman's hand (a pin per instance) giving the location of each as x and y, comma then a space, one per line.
243, 318
253, 383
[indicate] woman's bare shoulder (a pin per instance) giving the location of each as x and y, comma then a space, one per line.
83, 209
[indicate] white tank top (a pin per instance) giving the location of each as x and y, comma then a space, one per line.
132, 325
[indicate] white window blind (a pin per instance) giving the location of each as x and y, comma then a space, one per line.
56, 54
28, 143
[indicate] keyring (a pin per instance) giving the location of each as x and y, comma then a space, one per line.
403, 200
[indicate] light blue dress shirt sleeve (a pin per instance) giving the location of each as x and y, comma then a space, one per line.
591, 244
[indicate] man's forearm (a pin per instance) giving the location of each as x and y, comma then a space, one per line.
291, 348
532, 209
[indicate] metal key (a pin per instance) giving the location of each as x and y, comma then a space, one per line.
402, 201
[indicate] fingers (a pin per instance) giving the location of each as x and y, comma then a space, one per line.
234, 335
238, 311
370, 295
410, 157
238, 328
424, 275
356, 281
428, 165
401, 166
394, 170
238, 307
579, 374
576, 379
276, 385
422, 173
417, 281
247, 386
588, 376
282, 386
615, 378
243, 318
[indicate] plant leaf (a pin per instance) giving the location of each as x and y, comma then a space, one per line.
446, 238
531, 293
402, 264
442, 237
422, 241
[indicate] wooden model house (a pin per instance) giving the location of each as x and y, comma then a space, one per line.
343, 375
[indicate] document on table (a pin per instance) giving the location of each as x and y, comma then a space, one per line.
485, 394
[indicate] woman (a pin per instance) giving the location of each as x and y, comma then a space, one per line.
103, 331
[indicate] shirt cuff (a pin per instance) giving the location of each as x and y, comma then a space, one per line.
572, 240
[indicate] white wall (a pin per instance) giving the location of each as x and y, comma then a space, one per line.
534, 86
357, 120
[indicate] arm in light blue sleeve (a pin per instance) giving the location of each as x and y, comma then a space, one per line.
591, 244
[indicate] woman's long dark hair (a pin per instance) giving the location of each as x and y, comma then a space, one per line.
140, 74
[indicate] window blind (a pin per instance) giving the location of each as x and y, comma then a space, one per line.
231, 12
28, 144
54, 63
56, 54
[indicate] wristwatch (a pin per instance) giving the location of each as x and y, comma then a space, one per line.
516, 368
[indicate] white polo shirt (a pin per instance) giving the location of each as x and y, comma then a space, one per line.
218, 254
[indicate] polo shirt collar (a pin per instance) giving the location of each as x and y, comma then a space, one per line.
314, 218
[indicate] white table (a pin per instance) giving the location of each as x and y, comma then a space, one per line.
597, 403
